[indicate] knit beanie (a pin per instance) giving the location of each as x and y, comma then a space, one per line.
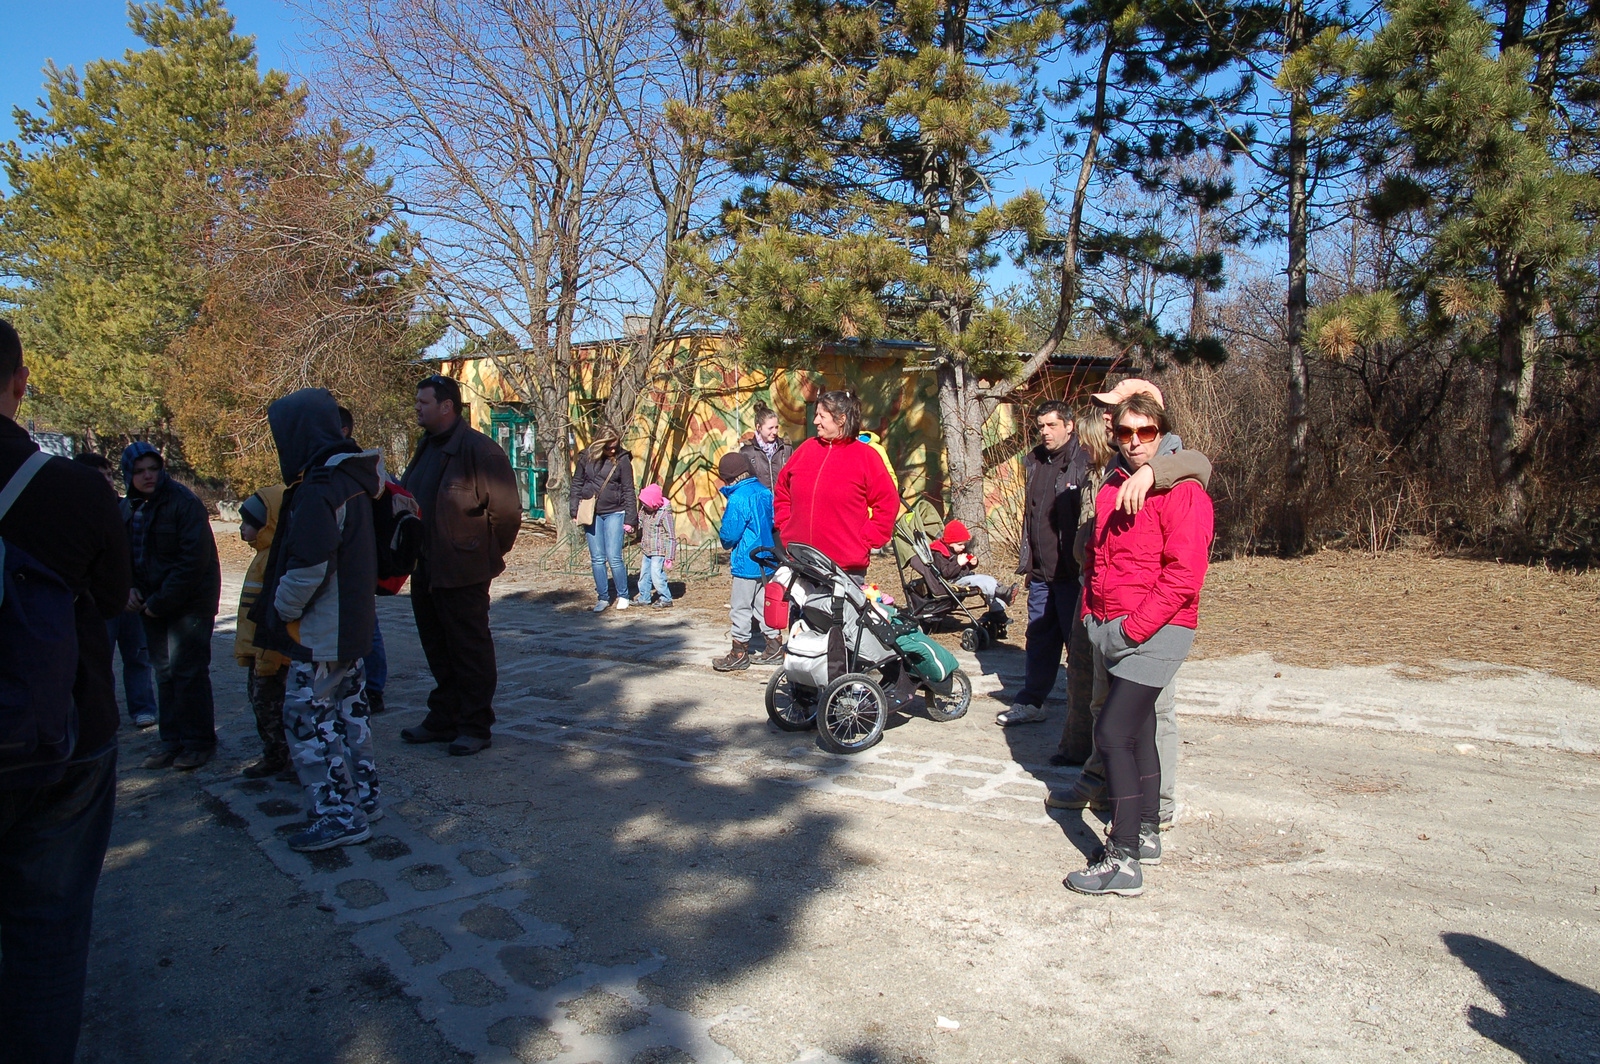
651, 496
956, 532
732, 466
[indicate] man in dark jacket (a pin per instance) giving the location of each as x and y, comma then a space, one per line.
471, 511
317, 607
768, 451
1055, 472
176, 585
53, 837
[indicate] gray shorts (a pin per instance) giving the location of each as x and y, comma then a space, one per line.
1153, 663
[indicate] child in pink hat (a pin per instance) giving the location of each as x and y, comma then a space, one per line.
658, 542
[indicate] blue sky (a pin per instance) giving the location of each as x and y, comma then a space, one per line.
74, 32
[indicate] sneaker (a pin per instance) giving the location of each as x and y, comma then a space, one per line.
372, 809
1078, 797
327, 833
622, 604
1114, 872
160, 759
1149, 846
663, 604
600, 607
144, 720
1020, 714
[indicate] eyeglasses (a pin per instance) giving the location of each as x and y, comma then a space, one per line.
1146, 433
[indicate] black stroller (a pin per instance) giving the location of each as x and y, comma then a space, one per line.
930, 599
849, 662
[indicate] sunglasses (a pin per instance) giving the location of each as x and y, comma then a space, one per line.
1146, 433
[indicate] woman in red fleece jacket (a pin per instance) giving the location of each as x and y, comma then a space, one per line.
1142, 577
834, 493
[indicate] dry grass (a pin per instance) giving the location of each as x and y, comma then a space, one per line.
1405, 607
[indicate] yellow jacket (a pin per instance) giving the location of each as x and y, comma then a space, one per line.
245, 652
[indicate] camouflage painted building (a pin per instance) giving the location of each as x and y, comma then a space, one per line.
685, 425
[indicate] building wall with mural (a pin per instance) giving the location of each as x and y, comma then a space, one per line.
684, 426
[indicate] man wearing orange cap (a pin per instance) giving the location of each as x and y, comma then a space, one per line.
1171, 464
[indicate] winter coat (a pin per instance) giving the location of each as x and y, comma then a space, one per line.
658, 535
1171, 464
746, 525
612, 492
67, 520
471, 522
767, 469
1149, 567
836, 496
177, 573
317, 602
1054, 488
261, 510
948, 563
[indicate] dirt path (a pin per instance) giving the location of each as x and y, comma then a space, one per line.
641, 870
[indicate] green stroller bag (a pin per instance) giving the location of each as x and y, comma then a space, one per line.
926, 659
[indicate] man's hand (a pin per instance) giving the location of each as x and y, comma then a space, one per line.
1130, 497
135, 601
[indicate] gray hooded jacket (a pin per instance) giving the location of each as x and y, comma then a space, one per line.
317, 602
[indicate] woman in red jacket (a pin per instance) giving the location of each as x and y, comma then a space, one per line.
835, 493
1143, 574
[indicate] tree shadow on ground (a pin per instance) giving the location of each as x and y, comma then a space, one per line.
1547, 1018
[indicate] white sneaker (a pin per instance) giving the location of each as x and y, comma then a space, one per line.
600, 607
1020, 714
622, 603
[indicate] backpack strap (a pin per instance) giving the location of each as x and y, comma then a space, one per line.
20, 480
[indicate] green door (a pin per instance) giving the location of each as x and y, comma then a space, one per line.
513, 429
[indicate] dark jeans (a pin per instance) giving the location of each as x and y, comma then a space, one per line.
180, 650
453, 625
52, 840
138, 678
377, 661
1051, 610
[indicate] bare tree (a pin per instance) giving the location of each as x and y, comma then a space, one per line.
517, 128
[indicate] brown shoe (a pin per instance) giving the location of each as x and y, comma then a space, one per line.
191, 759
160, 759
771, 654
737, 659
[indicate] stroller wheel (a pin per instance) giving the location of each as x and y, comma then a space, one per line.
975, 639
953, 705
791, 708
851, 714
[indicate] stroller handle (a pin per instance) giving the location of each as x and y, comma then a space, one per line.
768, 558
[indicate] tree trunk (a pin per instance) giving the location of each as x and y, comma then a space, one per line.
1292, 527
961, 418
1517, 341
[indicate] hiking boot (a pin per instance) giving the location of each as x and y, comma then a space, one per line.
375, 704
1079, 797
1114, 872
160, 759
1020, 713
736, 660
771, 654
191, 759
1149, 846
262, 769
327, 833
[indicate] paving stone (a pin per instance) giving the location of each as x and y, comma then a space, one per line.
483, 863
254, 786
334, 860
662, 1055
361, 893
536, 967
492, 922
276, 807
426, 876
472, 988
387, 848
865, 783
601, 1012
425, 945
527, 1037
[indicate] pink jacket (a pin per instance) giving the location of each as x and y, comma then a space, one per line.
1149, 567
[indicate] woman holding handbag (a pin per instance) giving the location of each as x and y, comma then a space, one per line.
606, 505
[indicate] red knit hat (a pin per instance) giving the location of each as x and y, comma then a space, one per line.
956, 532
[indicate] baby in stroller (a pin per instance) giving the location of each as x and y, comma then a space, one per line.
958, 566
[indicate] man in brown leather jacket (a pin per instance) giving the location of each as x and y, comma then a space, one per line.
471, 511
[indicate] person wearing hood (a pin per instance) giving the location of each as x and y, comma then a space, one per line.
317, 608
746, 525
177, 583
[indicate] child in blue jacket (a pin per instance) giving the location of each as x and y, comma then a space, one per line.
746, 525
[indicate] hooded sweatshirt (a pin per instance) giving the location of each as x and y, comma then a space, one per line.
175, 563
317, 601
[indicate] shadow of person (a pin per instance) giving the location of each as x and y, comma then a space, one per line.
1547, 1018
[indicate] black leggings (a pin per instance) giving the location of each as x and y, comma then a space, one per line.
1125, 735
